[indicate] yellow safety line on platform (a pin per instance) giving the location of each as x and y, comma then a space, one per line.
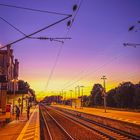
36, 133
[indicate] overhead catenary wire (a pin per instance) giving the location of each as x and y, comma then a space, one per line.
40, 38
29, 36
55, 63
71, 84
13, 26
42, 29
33, 10
74, 81
129, 75
99, 68
54, 66
58, 54
83, 71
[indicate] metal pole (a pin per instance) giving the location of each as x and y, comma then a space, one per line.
104, 91
82, 96
75, 91
78, 91
65, 97
71, 96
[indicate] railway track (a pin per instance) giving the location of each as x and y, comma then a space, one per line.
52, 130
74, 129
108, 132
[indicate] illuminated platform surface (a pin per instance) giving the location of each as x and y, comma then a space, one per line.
126, 116
22, 129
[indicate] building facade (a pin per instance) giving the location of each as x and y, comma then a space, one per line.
9, 69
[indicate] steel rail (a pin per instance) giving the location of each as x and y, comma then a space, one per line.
87, 126
46, 124
123, 133
108, 127
59, 125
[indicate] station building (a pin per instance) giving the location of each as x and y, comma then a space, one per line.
9, 70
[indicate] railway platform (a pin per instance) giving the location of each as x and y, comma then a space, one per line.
31, 130
125, 116
22, 129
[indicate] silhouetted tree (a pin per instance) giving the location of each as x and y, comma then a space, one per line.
136, 98
124, 95
98, 99
96, 95
22, 85
110, 99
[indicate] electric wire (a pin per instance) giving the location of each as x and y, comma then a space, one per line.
58, 55
99, 68
132, 74
34, 10
13, 26
41, 38
42, 29
55, 63
88, 73
54, 66
69, 84
85, 70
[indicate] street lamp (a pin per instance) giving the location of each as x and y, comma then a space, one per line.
104, 91
82, 96
71, 96
64, 100
77, 92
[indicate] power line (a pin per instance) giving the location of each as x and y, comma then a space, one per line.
13, 26
82, 72
42, 29
34, 10
55, 63
60, 50
132, 74
54, 66
89, 72
40, 38
114, 58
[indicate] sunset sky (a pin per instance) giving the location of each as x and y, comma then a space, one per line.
99, 30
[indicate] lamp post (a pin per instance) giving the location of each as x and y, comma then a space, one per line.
71, 96
82, 96
75, 91
104, 91
78, 90
64, 97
